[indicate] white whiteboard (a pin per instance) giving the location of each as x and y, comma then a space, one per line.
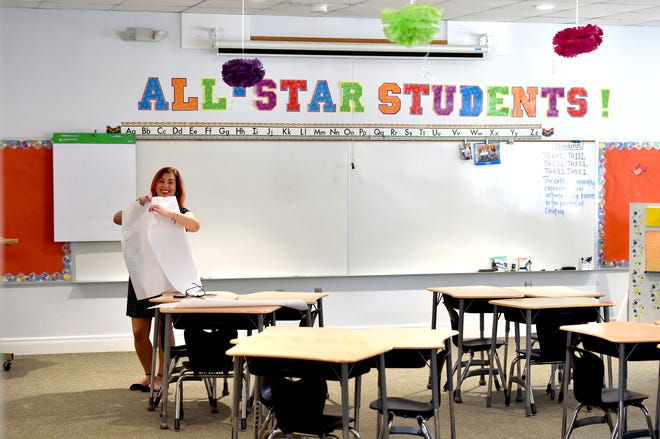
286, 209
267, 209
419, 208
91, 180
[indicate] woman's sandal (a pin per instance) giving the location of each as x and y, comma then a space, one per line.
157, 389
140, 387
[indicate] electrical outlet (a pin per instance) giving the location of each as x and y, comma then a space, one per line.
528, 283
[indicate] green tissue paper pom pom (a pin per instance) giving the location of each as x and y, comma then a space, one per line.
413, 25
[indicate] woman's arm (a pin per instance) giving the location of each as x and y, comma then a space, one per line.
187, 219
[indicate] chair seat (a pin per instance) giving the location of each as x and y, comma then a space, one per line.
611, 398
539, 357
481, 344
404, 407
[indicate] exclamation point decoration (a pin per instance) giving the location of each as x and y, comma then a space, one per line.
605, 97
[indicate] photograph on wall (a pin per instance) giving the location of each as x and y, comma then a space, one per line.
487, 153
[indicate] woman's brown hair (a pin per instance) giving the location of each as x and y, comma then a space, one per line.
180, 193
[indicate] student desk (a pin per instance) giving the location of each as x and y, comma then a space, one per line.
168, 297
628, 341
314, 301
258, 312
335, 346
473, 298
528, 310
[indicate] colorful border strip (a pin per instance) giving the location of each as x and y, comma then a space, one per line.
65, 275
26, 144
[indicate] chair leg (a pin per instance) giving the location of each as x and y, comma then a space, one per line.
499, 371
466, 367
571, 425
649, 421
424, 427
225, 387
178, 403
510, 380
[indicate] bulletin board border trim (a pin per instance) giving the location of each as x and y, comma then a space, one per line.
65, 275
26, 144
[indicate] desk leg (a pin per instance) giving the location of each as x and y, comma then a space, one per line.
565, 381
319, 309
382, 386
151, 406
357, 395
606, 317
309, 316
435, 386
166, 379
461, 324
491, 370
257, 407
236, 396
434, 310
528, 367
623, 384
449, 366
434, 321
345, 418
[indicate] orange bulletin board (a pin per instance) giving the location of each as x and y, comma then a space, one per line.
27, 214
629, 173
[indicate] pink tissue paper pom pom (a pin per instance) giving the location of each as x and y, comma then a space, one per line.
573, 41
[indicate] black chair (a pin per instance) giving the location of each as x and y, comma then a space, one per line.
470, 346
421, 411
549, 348
588, 388
206, 345
297, 405
276, 376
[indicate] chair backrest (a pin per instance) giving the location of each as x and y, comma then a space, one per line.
453, 319
298, 403
588, 376
207, 348
412, 358
552, 340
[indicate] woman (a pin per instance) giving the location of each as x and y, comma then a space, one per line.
166, 183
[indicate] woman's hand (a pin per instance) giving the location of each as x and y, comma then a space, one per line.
161, 211
144, 199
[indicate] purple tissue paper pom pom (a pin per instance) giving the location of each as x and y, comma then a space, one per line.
242, 72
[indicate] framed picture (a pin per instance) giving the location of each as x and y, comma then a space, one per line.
487, 153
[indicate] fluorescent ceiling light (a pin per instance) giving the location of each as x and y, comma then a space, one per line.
545, 6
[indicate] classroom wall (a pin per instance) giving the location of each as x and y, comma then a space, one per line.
68, 71
90, 317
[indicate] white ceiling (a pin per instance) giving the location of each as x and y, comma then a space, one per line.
601, 12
